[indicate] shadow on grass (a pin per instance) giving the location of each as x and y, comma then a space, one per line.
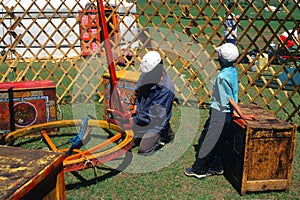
83, 182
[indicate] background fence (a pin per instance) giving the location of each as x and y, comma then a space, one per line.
61, 41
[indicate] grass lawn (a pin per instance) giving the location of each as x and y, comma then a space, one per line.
160, 176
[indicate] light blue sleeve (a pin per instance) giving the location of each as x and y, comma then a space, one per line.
225, 92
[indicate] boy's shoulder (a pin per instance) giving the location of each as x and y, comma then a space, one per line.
230, 69
227, 72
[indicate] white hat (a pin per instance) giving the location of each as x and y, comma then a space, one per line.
150, 61
228, 52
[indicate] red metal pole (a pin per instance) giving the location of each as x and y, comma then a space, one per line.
108, 51
114, 94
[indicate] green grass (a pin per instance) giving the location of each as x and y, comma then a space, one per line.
168, 182
163, 177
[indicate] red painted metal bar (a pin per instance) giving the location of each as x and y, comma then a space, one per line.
108, 51
115, 101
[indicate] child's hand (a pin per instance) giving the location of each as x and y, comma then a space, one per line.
249, 117
131, 120
132, 110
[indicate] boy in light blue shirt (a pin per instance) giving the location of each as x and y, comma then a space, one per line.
223, 103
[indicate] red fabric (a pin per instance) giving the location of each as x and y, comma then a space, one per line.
289, 43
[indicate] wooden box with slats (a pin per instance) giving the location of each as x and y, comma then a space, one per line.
258, 154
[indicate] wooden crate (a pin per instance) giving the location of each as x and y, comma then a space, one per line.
258, 155
33, 102
31, 174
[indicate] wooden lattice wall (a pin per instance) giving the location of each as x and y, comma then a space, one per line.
45, 40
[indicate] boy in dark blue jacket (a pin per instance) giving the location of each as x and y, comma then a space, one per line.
154, 98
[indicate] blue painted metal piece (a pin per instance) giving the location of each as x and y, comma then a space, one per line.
77, 140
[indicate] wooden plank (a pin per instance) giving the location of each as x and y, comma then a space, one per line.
31, 174
261, 185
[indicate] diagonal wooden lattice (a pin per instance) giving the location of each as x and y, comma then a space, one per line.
48, 40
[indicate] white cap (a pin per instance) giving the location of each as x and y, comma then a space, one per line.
150, 61
228, 52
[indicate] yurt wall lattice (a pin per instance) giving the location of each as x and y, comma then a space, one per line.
47, 40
